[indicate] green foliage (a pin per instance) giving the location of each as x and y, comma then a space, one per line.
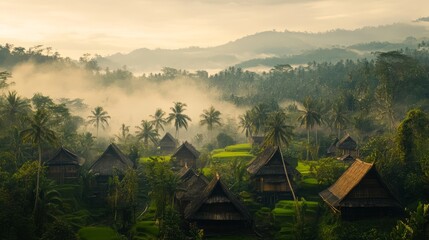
170, 226
413, 227
59, 230
98, 233
328, 170
224, 140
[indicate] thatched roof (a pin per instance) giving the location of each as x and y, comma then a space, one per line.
332, 147
338, 192
168, 140
111, 160
347, 143
192, 184
64, 157
216, 195
186, 147
260, 165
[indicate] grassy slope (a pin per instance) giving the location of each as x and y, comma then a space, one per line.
98, 233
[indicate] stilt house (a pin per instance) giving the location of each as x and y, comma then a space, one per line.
218, 211
361, 193
267, 173
64, 166
186, 154
346, 146
167, 144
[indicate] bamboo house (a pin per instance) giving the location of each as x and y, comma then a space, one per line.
361, 193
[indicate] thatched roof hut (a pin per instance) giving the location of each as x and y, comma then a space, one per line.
332, 148
218, 211
64, 166
191, 186
186, 154
360, 192
167, 144
347, 143
111, 161
267, 173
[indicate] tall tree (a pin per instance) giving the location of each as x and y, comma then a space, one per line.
99, 117
146, 131
14, 107
246, 124
180, 119
338, 118
210, 117
39, 132
159, 120
309, 118
278, 132
124, 134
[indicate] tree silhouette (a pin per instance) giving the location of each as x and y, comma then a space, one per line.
180, 119
210, 117
159, 119
309, 118
278, 132
245, 122
99, 117
39, 132
146, 131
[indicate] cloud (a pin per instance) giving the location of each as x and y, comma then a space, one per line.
123, 105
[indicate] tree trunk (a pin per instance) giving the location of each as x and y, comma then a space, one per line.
39, 165
308, 142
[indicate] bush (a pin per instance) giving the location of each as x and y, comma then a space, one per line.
328, 170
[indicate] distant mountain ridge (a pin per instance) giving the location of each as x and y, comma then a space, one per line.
283, 46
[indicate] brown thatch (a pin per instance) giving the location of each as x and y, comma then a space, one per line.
347, 143
191, 186
64, 157
216, 203
110, 161
359, 186
261, 164
186, 147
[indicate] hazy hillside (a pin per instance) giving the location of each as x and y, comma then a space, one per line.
271, 47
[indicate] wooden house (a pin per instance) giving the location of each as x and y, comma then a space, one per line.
347, 145
112, 162
218, 211
191, 186
167, 144
361, 193
268, 176
64, 166
187, 155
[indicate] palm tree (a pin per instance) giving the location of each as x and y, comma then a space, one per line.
259, 115
180, 119
309, 118
99, 117
15, 106
246, 124
278, 132
124, 134
338, 118
158, 119
39, 132
147, 132
210, 117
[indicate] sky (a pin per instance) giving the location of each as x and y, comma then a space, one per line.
109, 26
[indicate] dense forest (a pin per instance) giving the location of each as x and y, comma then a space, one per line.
382, 104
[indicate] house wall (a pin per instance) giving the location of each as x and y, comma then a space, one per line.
63, 173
